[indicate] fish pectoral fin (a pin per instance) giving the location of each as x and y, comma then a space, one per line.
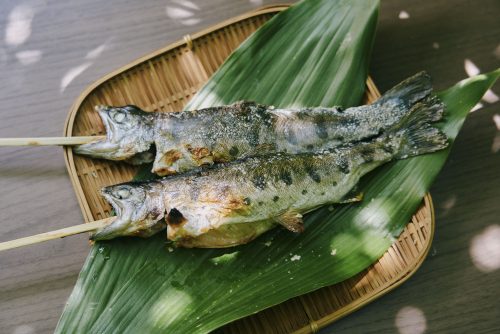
352, 197
292, 221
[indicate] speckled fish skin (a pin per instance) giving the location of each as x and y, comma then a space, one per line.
233, 203
187, 140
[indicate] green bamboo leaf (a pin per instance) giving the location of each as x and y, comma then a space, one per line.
142, 286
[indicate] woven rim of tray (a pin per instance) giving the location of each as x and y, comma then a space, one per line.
307, 313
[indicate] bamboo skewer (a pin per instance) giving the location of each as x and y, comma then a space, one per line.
61, 233
50, 141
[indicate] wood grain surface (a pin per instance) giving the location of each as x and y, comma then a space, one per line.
51, 50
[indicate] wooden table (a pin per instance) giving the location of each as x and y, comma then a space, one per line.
50, 51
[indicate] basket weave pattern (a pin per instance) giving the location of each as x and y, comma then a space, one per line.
164, 81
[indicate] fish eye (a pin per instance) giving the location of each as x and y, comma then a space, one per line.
122, 193
119, 116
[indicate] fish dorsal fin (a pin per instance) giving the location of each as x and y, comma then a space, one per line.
292, 221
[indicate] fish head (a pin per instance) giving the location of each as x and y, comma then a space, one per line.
129, 131
139, 208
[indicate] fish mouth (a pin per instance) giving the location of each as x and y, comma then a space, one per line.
102, 148
119, 225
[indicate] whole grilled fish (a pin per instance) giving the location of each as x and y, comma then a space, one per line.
232, 203
186, 140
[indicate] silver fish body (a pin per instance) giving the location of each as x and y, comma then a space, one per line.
187, 140
233, 203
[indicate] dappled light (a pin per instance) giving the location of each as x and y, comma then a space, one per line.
410, 320
470, 68
448, 204
18, 28
183, 11
165, 311
477, 107
435, 45
225, 258
496, 120
403, 15
96, 52
72, 73
490, 97
24, 329
495, 147
497, 52
374, 215
485, 249
29, 57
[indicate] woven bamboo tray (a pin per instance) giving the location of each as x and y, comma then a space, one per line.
165, 80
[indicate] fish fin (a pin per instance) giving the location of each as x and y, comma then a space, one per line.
292, 221
410, 91
414, 134
352, 197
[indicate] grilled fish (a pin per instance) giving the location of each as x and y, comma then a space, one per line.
233, 203
187, 140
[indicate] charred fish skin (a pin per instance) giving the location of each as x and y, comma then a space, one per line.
233, 203
187, 140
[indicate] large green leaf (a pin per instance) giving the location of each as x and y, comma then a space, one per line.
141, 286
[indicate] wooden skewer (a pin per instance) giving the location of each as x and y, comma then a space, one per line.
64, 232
49, 141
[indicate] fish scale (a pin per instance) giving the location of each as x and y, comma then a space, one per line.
190, 139
233, 203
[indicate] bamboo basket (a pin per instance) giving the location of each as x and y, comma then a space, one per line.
164, 81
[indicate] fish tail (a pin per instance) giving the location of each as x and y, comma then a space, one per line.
414, 134
408, 92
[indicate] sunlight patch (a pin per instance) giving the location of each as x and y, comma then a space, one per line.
225, 258
29, 57
485, 249
496, 120
183, 12
470, 68
18, 28
24, 329
374, 215
411, 320
94, 53
403, 15
72, 73
477, 107
490, 97
496, 52
169, 307
187, 3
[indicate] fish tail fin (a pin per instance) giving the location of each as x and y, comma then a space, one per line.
409, 91
414, 133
